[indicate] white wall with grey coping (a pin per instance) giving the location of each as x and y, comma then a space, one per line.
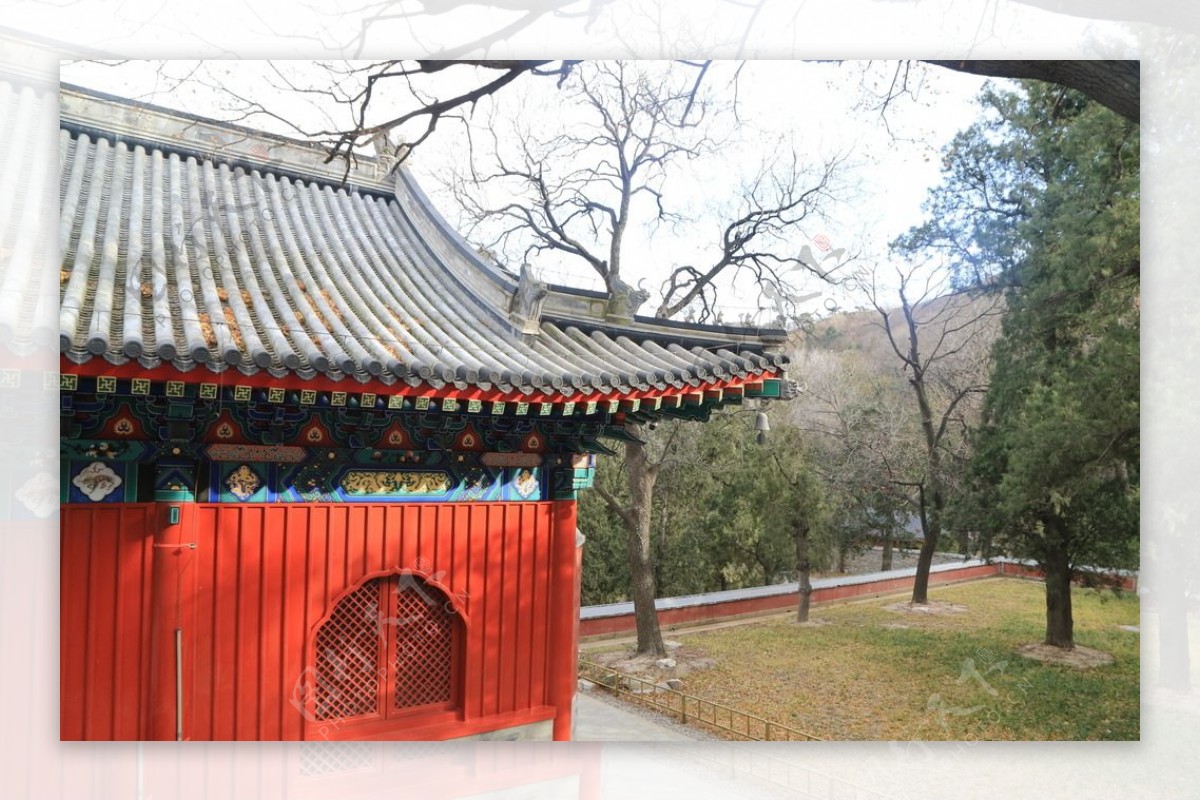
1103, 571
600, 611
725, 596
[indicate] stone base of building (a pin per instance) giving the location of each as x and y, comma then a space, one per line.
541, 730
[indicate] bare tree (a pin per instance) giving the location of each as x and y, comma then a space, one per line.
577, 194
796, 500
941, 341
642, 463
574, 192
853, 411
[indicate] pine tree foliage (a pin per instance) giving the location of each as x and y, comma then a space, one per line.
1044, 199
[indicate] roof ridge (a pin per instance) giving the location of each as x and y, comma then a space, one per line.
205, 138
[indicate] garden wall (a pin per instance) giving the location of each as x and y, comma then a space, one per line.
610, 620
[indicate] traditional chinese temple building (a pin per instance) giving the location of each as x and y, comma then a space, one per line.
319, 457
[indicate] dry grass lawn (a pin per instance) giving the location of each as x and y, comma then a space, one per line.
866, 672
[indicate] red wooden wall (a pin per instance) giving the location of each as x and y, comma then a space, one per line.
104, 630
248, 584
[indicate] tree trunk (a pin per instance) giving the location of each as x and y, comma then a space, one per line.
1060, 627
887, 552
921, 580
841, 562
931, 525
803, 568
931, 513
642, 475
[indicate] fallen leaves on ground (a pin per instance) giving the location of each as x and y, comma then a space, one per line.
870, 674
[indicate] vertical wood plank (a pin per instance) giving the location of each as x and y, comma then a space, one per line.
510, 543
249, 618
468, 520
75, 537
101, 623
298, 532
494, 600
270, 694
226, 542
523, 557
206, 633
541, 606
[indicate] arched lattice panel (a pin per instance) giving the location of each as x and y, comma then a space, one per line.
424, 654
389, 647
347, 658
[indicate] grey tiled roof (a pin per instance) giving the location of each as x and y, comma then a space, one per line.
173, 256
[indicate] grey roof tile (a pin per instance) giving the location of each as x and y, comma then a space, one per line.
171, 258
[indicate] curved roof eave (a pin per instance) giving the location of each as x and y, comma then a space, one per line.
248, 255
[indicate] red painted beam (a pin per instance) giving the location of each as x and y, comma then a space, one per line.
321, 383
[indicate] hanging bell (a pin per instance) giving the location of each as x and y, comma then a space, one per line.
762, 425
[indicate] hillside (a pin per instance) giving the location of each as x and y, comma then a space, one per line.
861, 330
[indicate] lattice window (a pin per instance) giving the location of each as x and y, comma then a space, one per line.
347, 660
389, 647
424, 648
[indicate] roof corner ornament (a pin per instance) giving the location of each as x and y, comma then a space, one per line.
624, 301
525, 308
387, 155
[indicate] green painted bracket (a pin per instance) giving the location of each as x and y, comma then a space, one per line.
770, 388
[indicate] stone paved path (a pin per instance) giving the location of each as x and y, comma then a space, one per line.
602, 719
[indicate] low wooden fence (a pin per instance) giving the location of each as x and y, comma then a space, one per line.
690, 709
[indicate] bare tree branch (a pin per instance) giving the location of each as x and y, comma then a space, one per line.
575, 192
617, 508
1115, 84
774, 204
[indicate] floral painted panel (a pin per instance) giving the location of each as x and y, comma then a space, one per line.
98, 482
524, 484
243, 482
